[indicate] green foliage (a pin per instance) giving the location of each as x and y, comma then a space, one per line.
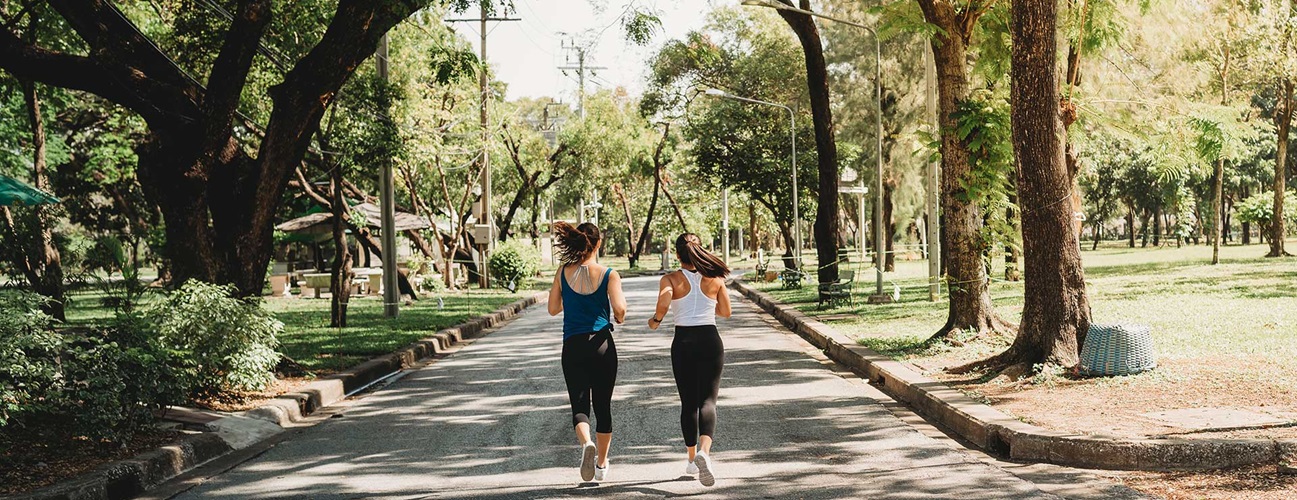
227, 343
983, 124
28, 351
107, 254
451, 64
640, 26
1259, 208
512, 262
102, 383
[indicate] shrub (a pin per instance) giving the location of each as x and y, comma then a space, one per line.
226, 343
1259, 208
512, 262
28, 355
88, 382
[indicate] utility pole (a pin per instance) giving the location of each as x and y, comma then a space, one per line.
484, 231
933, 226
391, 290
581, 70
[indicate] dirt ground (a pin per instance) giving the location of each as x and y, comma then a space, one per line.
1118, 406
1252, 483
32, 462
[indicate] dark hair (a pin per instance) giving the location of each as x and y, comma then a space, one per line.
690, 250
575, 244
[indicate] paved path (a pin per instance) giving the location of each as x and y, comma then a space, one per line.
492, 421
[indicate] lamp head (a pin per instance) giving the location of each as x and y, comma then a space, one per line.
716, 92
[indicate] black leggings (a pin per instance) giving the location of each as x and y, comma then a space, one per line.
590, 370
697, 358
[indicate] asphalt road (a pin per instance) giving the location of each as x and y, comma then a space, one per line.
492, 421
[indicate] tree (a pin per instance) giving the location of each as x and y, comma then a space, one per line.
1287, 52
39, 259
192, 149
962, 245
734, 144
817, 81
1056, 310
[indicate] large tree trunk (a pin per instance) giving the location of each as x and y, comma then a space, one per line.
1055, 311
1157, 225
1283, 116
1218, 208
817, 81
342, 275
45, 271
1130, 225
1246, 230
961, 235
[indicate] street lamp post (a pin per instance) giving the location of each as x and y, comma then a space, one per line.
879, 246
792, 132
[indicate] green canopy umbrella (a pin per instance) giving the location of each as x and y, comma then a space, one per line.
16, 192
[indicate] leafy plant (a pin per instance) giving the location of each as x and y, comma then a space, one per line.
513, 262
1259, 208
102, 383
28, 353
226, 343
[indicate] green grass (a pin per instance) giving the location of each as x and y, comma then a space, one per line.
1245, 307
309, 340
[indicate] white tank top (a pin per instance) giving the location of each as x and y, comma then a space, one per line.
695, 308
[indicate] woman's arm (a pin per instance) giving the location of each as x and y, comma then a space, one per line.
722, 300
617, 298
665, 292
556, 294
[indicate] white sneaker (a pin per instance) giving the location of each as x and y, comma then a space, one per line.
704, 465
691, 469
600, 473
587, 461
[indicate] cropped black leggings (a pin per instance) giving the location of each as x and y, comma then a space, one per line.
590, 370
697, 358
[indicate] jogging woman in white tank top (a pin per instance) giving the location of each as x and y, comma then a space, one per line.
697, 295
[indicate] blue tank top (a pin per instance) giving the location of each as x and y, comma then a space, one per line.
585, 313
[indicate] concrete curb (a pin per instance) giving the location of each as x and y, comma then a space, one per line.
128, 478
131, 477
996, 432
294, 406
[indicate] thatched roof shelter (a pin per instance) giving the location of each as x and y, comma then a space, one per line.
320, 224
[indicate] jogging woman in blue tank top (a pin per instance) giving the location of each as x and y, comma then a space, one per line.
590, 297
696, 293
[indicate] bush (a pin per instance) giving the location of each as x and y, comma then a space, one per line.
1259, 208
98, 383
512, 262
28, 355
226, 343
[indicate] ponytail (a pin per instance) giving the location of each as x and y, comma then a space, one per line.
690, 250
576, 244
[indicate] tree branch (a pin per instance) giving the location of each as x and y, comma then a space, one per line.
230, 70
133, 90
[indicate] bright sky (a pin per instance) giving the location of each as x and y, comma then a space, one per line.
526, 54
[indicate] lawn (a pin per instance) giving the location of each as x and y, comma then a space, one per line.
309, 340
1226, 336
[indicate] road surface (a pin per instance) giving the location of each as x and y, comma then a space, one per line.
492, 421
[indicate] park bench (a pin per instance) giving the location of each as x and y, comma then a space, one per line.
791, 278
838, 292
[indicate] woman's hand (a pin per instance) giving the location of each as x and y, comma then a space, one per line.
665, 291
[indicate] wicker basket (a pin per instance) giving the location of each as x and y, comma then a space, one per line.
1117, 350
